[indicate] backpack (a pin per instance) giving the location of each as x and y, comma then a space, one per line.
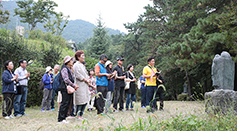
56, 82
41, 83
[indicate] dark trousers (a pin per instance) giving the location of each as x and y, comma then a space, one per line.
150, 95
8, 99
80, 108
70, 108
143, 96
53, 97
160, 93
100, 102
118, 97
63, 110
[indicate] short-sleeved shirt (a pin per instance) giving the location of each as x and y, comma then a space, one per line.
120, 72
147, 71
142, 84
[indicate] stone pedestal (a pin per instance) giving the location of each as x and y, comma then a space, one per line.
221, 101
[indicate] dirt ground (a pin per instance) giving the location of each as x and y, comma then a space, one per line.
47, 121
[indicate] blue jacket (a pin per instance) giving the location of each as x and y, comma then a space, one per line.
102, 81
7, 84
46, 81
110, 82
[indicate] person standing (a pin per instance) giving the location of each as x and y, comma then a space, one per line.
8, 89
81, 96
119, 85
20, 99
109, 96
143, 92
151, 86
160, 91
48, 90
131, 92
92, 91
55, 72
101, 83
67, 78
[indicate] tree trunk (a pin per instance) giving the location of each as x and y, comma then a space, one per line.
189, 88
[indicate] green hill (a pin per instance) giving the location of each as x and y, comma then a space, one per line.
76, 30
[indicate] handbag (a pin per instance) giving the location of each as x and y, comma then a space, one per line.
70, 90
127, 84
19, 89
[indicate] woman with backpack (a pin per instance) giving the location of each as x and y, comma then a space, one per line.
67, 79
9, 90
48, 90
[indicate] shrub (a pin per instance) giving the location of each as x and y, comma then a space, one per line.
183, 97
35, 95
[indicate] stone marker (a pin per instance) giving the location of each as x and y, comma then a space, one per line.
223, 71
223, 98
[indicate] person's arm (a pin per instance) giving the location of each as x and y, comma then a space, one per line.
98, 74
78, 73
46, 79
160, 79
65, 77
6, 78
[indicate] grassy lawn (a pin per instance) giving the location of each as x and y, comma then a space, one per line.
38, 120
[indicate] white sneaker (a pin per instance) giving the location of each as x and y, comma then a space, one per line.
12, 117
7, 117
64, 121
115, 111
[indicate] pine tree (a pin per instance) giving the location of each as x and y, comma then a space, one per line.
99, 42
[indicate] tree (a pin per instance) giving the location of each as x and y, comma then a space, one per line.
4, 14
56, 25
33, 12
99, 42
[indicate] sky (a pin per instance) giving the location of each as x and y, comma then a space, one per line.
114, 13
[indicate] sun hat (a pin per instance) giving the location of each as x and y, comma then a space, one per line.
107, 63
66, 59
48, 68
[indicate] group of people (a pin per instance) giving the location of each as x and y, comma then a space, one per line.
89, 90
14, 89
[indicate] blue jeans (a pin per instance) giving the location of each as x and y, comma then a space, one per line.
143, 96
128, 100
150, 95
52, 102
20, 102
80, 108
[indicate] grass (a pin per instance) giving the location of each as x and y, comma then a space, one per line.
178, 115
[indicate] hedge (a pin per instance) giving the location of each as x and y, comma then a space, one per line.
35, 95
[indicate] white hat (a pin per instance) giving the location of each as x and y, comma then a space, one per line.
48, 68
107, 63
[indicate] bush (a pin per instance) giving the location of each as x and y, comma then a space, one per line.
35, 95
183, 97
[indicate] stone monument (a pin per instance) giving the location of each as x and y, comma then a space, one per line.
223, 98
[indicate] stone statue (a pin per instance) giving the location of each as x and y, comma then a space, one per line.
223, 71
185, 89
223, 98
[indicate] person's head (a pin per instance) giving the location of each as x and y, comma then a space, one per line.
8, 65
130, 67
151, 61
84, 63
103, 58
49, 70
109, 64
120, 60
23, 63
56, 68
68, 61
79, 55
91, 71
